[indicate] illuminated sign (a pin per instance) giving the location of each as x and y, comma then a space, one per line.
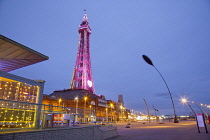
58, 117
200, 120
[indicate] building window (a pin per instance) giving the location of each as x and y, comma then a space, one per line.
18, 91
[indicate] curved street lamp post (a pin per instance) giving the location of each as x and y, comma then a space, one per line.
204, 113
186, 102
147, 110
146, 59
155, 110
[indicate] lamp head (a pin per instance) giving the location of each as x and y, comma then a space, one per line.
184, 100
147, 59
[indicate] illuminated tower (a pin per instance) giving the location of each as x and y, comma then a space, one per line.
82, 76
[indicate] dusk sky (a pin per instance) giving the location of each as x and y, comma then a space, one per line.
175, 34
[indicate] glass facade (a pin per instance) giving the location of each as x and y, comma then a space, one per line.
18, 104
18, 91
16, 115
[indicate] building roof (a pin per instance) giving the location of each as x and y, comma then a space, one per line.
14, 55
69, 94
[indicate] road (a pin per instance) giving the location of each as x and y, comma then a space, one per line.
184, 130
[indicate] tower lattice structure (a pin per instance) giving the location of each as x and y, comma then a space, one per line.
82, 76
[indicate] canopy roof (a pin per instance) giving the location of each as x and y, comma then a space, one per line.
14, 55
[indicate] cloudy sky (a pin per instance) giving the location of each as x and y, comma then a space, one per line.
175, 34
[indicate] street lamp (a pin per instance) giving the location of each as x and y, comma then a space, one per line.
124, 113
91, 113
155, 113
147, 110
59, 101
111, 105
85, 98
184, 100
204, 113
206, 108
147, 59
121, 107
76, 99
106, 114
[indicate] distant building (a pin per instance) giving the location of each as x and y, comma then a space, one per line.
120, 99
94, 105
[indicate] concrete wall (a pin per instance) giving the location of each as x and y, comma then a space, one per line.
72, 133
109, 133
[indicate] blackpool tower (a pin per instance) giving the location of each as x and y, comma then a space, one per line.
82, 76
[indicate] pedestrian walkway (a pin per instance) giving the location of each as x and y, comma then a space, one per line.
184, 130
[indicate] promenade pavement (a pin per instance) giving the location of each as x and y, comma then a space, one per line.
184, 130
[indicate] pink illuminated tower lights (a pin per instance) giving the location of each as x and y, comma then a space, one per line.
82, 76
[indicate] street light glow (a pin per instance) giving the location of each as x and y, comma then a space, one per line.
85, 98
59, 101
184, 100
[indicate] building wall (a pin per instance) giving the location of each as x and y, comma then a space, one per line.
94, 103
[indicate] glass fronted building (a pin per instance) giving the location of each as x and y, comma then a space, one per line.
20, 98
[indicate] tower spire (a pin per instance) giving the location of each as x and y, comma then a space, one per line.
85, 16
82, 76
